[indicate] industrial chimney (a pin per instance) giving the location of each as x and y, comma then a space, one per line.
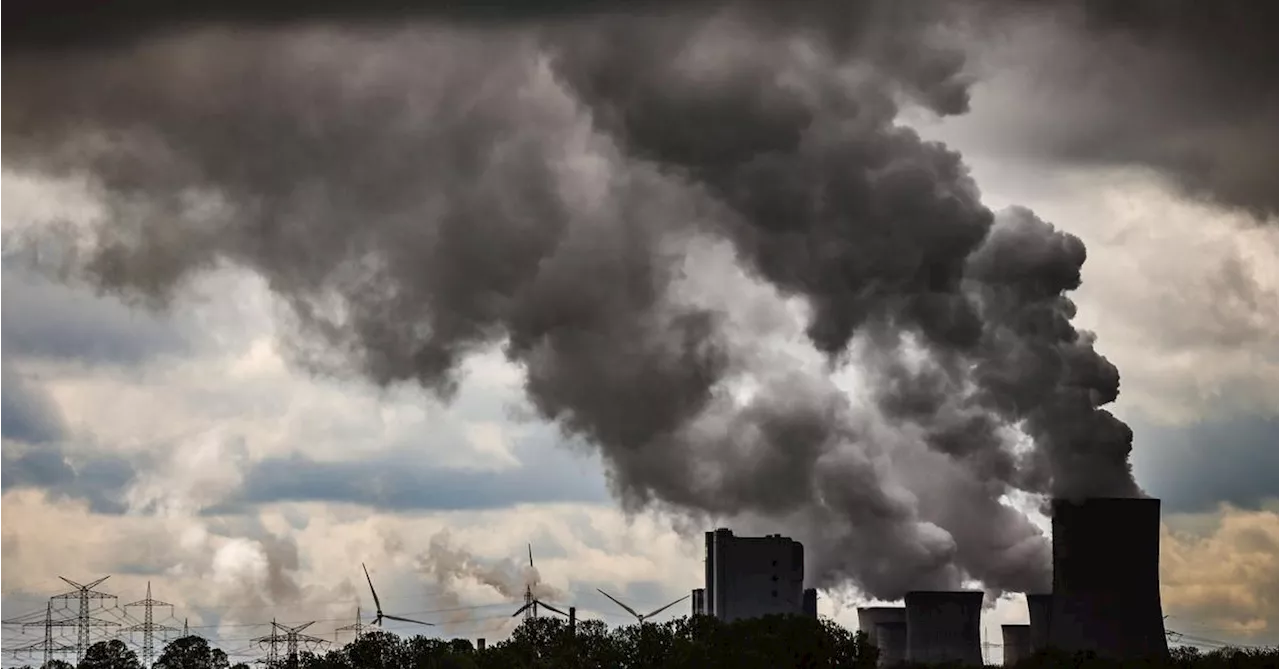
943, 626
892, 638
1040, 611
870, 618
1106, 581
1016, 641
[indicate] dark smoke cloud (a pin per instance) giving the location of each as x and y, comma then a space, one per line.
1185, 88
419, 193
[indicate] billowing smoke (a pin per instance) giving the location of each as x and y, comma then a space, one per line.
415, 194
1195, 99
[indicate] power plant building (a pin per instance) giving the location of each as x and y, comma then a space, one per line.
944, 626
1106, 582
749, 577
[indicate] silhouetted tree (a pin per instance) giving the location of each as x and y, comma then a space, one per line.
191, 652
111, 654
774, 642
376, 650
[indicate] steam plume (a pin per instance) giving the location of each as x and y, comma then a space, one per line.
420, 193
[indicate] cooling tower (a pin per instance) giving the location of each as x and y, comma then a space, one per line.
1016, 641
943, 626
892, 637
1040, 611
1106, 581
870, 616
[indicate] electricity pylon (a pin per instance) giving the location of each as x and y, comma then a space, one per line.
148, 627
46, 646
84, 621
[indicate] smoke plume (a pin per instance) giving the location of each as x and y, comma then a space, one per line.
1195, 99
449, 567
419, 192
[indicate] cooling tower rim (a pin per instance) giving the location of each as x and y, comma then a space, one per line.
881, 608
1016, 626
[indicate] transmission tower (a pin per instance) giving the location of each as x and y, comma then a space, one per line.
291, 638
358, 627
148, 627
85, 621
270, 643
47, 646
185, 633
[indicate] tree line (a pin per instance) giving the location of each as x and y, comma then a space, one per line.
774, 642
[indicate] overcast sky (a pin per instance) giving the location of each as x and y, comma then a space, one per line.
186, 446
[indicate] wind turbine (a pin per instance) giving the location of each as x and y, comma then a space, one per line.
377, 605
530, 602
641, 618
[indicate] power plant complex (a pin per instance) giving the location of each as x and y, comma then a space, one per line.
1105, 597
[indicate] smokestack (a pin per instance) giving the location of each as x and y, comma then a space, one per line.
699, 601
809, 606
1040, 611
480, 643
943, 626
870, 616
892, 637
1017, 643
1106, 580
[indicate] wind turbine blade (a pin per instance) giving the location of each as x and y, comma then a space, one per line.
650, 615
377, 605
407, 620
551, 608
615, 601
377, 620
521, 609
530, 555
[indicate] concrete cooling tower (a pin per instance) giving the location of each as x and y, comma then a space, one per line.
1106, 582
892, 639
1016, 642
943, 626
870, 618
1039, 610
